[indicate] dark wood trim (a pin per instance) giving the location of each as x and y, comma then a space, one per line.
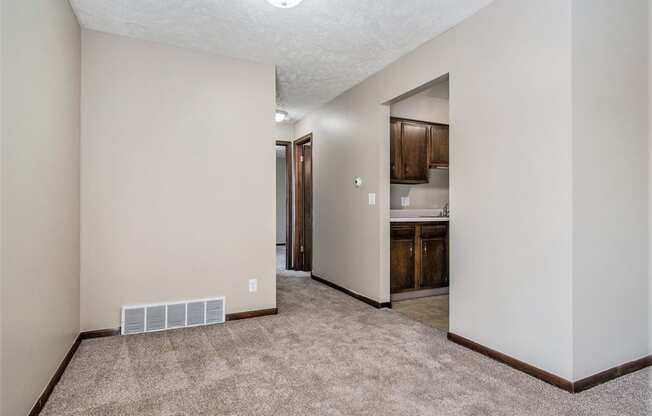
410, 120
288, 201
298, 205
43, 398
368, 301
611, 374
251, 314
543, 375
100, 333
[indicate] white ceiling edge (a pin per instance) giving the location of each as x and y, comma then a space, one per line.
321, 48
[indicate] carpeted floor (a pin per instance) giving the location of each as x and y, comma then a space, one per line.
324, 354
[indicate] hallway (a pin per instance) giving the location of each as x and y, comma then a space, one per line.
325, 353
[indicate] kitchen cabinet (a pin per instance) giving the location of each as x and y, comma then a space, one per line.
438, 146
409, 151
418, 256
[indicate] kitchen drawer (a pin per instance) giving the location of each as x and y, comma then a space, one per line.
403, 231
434, 230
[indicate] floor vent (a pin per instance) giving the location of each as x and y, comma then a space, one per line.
161, 316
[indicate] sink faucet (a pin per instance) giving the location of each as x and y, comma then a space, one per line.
446, 211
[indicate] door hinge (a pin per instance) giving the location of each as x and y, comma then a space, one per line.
301, 249
301, 159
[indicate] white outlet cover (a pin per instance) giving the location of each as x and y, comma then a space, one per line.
253, 285
372, 199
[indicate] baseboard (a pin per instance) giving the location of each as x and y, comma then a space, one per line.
562, 383
251, 314
542, 375
43, 398
100, 333
368, 301
612, 373
280, 244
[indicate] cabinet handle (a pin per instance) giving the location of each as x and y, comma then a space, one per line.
425, 248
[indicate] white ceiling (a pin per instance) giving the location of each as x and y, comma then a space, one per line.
321, 48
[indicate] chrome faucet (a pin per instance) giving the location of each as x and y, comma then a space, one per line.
446, 210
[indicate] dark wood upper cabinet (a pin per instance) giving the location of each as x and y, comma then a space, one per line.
409, 151
438, 146
402, 254
416, 146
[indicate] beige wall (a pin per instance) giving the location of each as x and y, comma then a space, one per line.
422, 107
610, 184
510, 178
281, 201
40, 196
178, 185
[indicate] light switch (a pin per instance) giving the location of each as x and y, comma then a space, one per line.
372, 199
405, 201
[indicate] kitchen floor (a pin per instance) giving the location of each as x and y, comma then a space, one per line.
431, 311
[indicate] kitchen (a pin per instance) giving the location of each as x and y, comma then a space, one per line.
419, 204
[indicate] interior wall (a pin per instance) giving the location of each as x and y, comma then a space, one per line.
40, 196
281, 202
610, 184
422, 107
177, 197
510, 69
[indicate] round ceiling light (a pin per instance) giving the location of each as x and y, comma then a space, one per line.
284, 4
281, 116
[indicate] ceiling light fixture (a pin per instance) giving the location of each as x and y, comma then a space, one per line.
284, 4
280, 116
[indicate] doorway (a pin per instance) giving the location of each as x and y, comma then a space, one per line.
283, 205
303, 191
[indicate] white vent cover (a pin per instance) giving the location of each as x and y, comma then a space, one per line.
137, 319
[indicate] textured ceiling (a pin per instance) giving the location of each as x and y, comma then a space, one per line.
321, 47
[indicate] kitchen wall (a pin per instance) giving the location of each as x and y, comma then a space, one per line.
509, 65
281, 202
424, 106
178, 195
39, 290
610, 184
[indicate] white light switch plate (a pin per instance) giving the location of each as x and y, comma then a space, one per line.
372, 199
405, 201
253, 285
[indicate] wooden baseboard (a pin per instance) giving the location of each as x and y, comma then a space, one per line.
562, 383
100, 333
43, 398
251, 314
374, 303
611, 374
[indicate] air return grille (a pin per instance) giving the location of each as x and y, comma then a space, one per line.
161, 316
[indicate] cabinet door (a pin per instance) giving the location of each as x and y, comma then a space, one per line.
395, 149
402, 259
414, 152
433, 263
438, 146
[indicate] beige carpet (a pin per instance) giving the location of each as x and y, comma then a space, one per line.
324, 354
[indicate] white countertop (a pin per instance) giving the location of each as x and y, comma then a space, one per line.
416, 215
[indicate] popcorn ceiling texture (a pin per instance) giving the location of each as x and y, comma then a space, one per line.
321, 47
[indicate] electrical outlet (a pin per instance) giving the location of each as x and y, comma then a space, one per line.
253, 285
405, 201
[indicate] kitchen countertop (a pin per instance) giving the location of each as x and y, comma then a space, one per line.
417, 215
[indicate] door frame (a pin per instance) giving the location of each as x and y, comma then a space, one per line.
288, 202
298, 183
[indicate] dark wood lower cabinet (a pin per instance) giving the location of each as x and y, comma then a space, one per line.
418, 256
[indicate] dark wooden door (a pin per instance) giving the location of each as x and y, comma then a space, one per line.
395, 150
303, 206
402, 252
438, 146
414, 152
434, 256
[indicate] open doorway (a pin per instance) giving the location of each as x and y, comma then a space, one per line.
303, 206
419, 204
283, 205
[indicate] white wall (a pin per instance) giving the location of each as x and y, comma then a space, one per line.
177, 196
610, 184
423, 107
40, 196
510, 67
281, 202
